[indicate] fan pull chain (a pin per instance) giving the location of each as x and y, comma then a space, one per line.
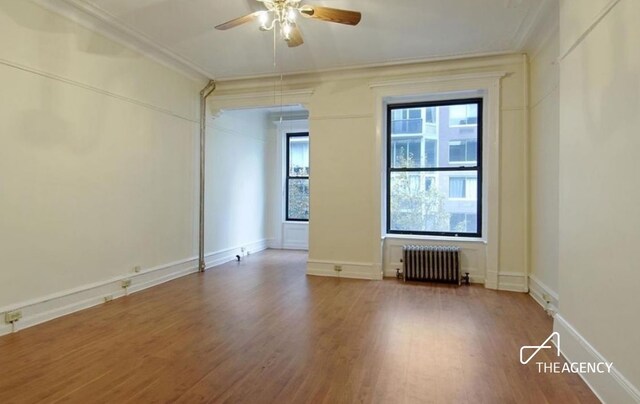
275, 60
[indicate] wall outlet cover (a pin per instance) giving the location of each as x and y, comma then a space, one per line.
12, 316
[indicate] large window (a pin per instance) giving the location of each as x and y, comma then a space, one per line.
434, 176
297, 176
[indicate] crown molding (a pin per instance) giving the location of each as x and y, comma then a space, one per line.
529, 30
98, 20
439, 79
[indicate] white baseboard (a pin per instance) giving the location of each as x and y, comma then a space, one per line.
513, 282
213, 259
60, 304
353, 270
274, 244
295, 246
608, 387
47, 308
507, 281
538, 290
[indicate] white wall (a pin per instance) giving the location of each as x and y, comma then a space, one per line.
544, 164
97, 149
599, 190
346, 203
239, 144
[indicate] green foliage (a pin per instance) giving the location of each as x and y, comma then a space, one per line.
298, 199
412, 207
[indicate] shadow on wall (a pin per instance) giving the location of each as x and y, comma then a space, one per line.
92, 43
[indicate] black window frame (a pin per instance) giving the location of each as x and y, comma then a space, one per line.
478, 167
289, 177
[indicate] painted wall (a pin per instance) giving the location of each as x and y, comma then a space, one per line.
239, 144
345, 181
544, 166
599, 188
97, 158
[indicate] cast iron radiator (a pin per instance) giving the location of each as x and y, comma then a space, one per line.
431, 263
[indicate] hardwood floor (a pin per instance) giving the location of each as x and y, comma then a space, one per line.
262, 331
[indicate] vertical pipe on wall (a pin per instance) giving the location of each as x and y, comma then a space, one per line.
211, 86
526, 127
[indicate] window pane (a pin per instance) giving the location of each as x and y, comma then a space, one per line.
298, 208
429, 145
299, 156
438, 202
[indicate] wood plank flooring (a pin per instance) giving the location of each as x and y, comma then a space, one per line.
263, 332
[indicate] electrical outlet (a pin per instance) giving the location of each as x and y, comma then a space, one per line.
337, 268
137, 269
108, 298
12, 316
126, 283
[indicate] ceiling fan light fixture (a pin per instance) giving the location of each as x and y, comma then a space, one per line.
281, 15
286, 30
291, 14
263, 18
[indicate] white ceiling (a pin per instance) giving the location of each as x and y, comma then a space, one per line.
391, 31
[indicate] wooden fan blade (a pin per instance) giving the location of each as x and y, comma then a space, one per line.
331, 14
295, 37
238, 21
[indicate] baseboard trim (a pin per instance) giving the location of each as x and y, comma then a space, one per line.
513, 282
213, 259
608, 387
352, 270
38, 311
295, 246
537, 290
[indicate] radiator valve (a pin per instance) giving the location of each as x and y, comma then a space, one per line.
399, 274
465, 279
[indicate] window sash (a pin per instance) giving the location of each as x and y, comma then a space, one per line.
293, 177
466, 166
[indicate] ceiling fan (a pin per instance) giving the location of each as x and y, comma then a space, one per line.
283, 14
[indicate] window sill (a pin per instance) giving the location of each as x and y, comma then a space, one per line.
296, 222
392, 236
